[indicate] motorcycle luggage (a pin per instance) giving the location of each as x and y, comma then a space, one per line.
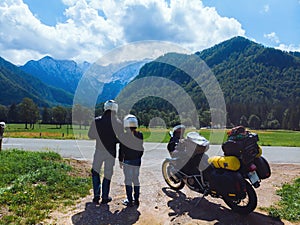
246, 148
251, 148
232, 148
225, 162
227, 183
263, 169
259, 152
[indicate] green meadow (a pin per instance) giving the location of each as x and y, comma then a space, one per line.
215, 136
32, 184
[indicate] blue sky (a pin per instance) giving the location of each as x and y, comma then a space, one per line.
86, 29
260, 18
50, 14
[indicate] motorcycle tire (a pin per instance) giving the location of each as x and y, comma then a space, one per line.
173, 184
243, 206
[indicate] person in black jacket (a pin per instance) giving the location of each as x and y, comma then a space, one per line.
2, 127
131, 152
176, 136
105, 129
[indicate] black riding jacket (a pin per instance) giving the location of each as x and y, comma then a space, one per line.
131, 146
106, 130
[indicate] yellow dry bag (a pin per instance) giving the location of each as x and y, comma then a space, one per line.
225, 162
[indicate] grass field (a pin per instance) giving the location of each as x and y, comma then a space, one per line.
266, 137
32, 184
46, 131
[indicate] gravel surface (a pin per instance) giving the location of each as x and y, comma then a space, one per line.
161, 205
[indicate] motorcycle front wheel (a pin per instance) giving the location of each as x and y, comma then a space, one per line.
243, 206
168, 174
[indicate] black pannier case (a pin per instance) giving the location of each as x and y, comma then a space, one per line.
227, 183
263, 169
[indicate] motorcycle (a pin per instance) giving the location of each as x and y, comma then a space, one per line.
231, 177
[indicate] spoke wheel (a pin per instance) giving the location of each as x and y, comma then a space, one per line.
243, 206
168, 172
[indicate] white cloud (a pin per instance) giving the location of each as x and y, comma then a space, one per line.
272, 37
266, 8
275, 39
186, 22
94, 27
289, 48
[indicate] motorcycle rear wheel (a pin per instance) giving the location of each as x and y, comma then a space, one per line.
166, 168
243, 206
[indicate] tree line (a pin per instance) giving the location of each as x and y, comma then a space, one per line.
262, 116
29, 113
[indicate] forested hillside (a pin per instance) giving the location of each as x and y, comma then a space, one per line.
261, 85
15, 85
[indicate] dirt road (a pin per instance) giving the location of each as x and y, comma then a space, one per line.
161, 205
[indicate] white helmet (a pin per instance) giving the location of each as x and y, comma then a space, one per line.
130, 121
111, 105
178, 131
2, 124
178, 128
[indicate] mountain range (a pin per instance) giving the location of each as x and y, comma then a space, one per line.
49, 82
15, 85
257, 82
64, 74
248, 72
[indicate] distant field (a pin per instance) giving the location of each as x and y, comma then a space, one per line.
279, 138
266, 137
46, 131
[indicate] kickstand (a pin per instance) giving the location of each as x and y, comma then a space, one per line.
204, 194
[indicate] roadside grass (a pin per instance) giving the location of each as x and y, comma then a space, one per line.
289, 205
48, 131
159, 135
32, 184
215, 136
279, 138
267, 137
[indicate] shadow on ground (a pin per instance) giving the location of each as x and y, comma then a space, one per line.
210, 212
101, 214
